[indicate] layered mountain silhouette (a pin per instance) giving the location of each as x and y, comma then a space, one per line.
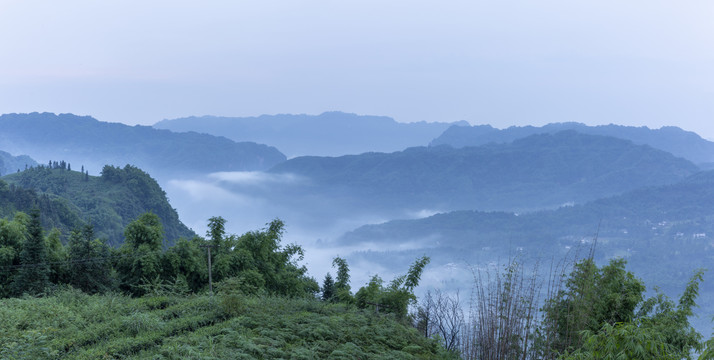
328, 134
83, 140
672, 139
539, 171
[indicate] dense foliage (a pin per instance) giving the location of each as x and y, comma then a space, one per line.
265, 306
72, 325
589, 312
108, 202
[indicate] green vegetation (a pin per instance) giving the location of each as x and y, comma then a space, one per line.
589, 312
69, 199
603, 311
72, 325
265, 305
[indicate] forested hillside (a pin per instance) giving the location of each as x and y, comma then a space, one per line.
328, 134
108, 202
266, 306
539, 171
56, 212
83, 140
665, 233
672, 139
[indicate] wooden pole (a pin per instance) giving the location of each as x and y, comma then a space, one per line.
210, 269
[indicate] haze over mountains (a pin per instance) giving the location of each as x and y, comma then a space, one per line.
83, 140
9, 163
328, 134
672, 139
539, 171
432, 189
664, 232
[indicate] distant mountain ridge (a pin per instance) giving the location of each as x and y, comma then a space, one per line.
643, 212
9, 163
664, 232
545, 170
681, 143
328, 134
83, 140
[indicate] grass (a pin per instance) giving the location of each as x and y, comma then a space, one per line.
74, 325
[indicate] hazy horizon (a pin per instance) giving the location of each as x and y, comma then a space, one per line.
523, 63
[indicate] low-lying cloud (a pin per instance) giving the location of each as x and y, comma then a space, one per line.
256, 178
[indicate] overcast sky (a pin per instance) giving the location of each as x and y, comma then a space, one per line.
507, 62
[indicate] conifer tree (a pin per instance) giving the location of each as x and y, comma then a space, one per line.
91, 269
33, 276
328, 288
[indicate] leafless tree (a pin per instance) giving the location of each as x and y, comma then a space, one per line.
442, 315
502, 313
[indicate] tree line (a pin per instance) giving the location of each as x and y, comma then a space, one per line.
588, 311
255, 263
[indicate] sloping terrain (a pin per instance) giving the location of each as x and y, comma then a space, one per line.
109, 202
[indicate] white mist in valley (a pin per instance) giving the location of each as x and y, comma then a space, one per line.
248, 201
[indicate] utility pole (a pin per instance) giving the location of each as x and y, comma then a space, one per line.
210, 268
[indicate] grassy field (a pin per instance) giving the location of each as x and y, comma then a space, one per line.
72, 325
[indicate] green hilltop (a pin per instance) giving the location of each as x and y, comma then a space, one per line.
110, 201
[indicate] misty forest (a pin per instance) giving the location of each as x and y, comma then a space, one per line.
342, 236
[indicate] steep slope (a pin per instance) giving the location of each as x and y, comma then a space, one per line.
671, 139
83, 140
109, 201
56, 212
327, 134
539, 171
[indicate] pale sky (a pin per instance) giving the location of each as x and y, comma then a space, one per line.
506, 62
